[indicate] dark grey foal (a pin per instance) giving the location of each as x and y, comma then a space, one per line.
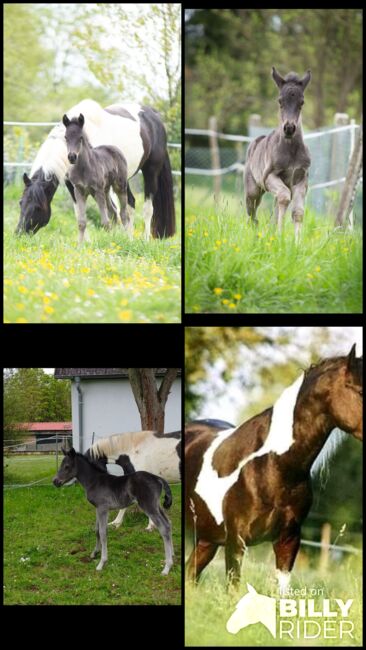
279, 162
108, 492
95, 170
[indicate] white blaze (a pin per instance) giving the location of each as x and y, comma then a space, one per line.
211, 488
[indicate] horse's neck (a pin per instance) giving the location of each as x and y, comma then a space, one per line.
85, 474
312, 425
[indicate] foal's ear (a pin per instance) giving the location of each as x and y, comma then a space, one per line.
27, 180
81, 120
279, 81
305, 80
65, 120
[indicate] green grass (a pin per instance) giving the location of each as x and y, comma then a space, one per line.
49, 278
49, 535
234, 267
208, 606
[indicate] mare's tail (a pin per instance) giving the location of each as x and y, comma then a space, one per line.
168, 499
163, 220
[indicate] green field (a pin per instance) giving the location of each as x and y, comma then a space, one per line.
233, 267
49, 278
209, 606
49, 535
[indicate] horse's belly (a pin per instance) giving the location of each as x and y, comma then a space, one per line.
125, 135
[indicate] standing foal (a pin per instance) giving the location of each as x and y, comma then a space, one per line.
95, 170
279, 162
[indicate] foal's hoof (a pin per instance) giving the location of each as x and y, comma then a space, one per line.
165, 571
100, 566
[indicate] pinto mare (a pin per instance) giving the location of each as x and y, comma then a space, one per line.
107, 492
138, 132
150, 451
95, 170
252, 483
279, 162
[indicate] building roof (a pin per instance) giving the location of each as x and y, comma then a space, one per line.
100, 373
45, 426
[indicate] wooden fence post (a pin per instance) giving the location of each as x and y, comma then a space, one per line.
215, 155
324, 551
350, 185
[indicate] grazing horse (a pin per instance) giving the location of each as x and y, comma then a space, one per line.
279, 162
107, 492
138, 132
95, 171
145, 450
252, 483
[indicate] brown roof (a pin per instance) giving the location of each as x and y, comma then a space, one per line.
69, 373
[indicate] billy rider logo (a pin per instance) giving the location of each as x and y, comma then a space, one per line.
296, 618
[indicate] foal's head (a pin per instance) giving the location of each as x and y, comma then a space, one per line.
73, 136
68, 469
291, 99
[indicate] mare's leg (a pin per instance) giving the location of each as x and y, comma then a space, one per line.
97, 546
112, 209
286, 549
80, 211
100, 197
200, 557
282, 194
148, 213
118, 520
234, 550
298, 196
253, 194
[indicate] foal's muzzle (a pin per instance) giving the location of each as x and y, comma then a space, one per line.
289, 129
72, 158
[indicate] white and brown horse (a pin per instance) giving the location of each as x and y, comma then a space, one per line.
252, 483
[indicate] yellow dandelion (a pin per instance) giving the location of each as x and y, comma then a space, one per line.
310, 276
237, 296
21, 320
125, 314
232, 305
22, 289
317, 269
218, 291
218, 242
225, 301
48, 309
90, 292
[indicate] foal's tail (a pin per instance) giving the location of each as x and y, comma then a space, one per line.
163, 220
168, 499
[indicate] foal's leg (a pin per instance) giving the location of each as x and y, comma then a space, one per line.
282, 194
253, 194
122, 195
298, 196
80, 211
112, 209
101, 199
97, 546
103, 518
164, 527
200, 557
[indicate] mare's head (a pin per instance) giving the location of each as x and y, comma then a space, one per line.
73, 136
68, 469
291, 99
338, 382
35, 204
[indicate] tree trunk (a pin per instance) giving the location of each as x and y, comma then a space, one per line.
149, 398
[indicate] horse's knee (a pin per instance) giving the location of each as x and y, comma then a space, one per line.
284, 197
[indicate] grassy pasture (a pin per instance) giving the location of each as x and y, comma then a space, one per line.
233, 267
48, 278
208, 606
49, 535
